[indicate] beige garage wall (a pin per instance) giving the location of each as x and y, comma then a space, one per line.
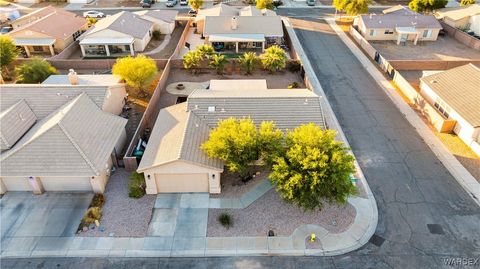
66, 184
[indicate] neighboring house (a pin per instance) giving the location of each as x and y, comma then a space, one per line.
173, 160
9, 14
455, 93
462, 17
117, 35
163, 19
399, 24
39, 1
110, 86
47, 31
52, 147
243, 33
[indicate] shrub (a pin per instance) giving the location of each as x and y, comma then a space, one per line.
294, 66
226, 220
138, 72
92, 214
136, 185
35, 71
156, 35
274, 59
8, 50
98, 200
294, 85
248, 61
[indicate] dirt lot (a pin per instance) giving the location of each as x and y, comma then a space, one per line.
445, 48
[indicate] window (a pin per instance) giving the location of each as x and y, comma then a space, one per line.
442, 107
427, 33
388, 32
372, 32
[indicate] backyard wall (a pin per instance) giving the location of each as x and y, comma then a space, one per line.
150, 115
461, 36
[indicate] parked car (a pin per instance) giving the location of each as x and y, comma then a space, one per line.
192, 13
147, 3
311, 2
5, 30
183, 2
171, 3
93, 14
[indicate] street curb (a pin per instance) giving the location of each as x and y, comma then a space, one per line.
334, 124
456, 169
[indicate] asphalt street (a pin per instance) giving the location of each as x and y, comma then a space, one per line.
425, 217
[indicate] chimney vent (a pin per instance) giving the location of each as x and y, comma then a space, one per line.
234, 23
72, 77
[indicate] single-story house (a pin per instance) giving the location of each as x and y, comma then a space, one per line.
455, 93
36, 14
111, 86
39, 1
117, 35
229, 11
163, 19
70, 148
399, 25
243, 33
173, 160
47, 33
458, 17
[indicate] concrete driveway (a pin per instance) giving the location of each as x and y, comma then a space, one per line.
25, 217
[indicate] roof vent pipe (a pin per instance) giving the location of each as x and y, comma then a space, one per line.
234, 23
72, 77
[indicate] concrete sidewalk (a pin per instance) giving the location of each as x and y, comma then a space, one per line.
461, 175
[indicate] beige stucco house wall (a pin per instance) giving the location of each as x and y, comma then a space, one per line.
160, 25
381, 33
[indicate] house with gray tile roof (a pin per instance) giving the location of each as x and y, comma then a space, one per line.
173, 160
455, 93
163, 19
70, 149
398, 24
117, 35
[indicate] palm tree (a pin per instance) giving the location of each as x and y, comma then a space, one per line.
192, 60
274, 59
205, 51
218, 62
248, 61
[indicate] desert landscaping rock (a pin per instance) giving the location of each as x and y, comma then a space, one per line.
270, 212
123, 216
233, 187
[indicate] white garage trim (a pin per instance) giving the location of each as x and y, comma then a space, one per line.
194, 182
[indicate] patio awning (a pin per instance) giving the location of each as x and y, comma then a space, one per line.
237, 38
107, 41
406, 30
33, 41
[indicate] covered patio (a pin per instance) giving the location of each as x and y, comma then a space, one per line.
237, 42
107, 47
404, 34
36, 45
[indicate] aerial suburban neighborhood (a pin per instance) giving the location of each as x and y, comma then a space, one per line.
240, 134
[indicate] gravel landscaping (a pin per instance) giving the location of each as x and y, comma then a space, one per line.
123, 216
271, 212
234, 187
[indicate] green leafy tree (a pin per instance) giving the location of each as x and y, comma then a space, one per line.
467, 2
138, 72
195, 4
35, 71
218, 62
314, 168
274, 59
426, 5
270, 140
352, 7
235, 142
192, 60
8, 51
264, 4
248, 61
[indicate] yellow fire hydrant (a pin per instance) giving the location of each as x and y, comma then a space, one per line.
312, 237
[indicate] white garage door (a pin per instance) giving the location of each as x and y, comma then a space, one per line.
16, 184
66, 184
182, 182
